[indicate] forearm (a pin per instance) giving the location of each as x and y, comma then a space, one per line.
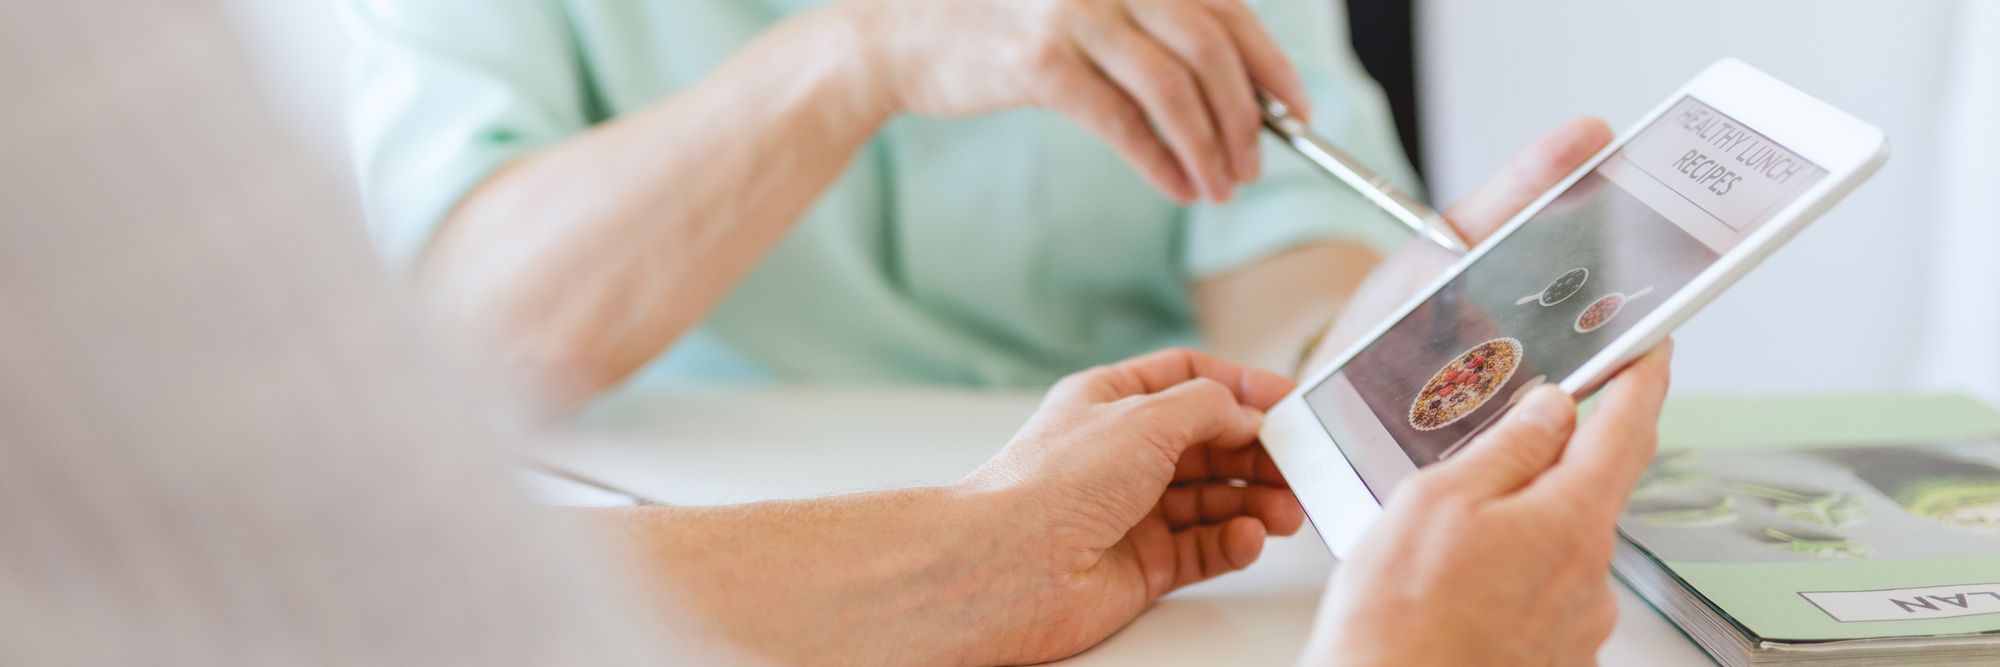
1266, 313
897, 577
580, 263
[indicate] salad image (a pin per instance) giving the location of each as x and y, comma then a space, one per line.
1825, 509
1671, 472
1721, 513
1818, 546
1952, 491
1877, 502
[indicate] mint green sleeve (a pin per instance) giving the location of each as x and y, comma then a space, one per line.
443, 93
1294, 204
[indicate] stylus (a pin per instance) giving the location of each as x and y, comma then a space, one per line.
1410, 211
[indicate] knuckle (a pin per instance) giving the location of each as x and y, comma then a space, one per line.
1246, 122
1211, 390
1168, 84
1080, 379
1069, 385
1047, 59
1089, 381
1512, 453
1427, 491
1210, 48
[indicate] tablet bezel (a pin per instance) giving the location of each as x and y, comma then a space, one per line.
1340, 505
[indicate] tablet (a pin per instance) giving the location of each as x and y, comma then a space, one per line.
1592, 274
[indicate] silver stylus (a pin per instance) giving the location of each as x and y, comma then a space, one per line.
1410, 211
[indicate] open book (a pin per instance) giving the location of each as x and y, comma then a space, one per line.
1872, 553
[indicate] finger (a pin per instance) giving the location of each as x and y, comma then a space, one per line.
1249, 464
1268, 65
1527, 175
1205, 551
1517, 449
1197, 412
1612, 448
1165, 90
1160, 370
1215, 502
1204, 46
1081, 92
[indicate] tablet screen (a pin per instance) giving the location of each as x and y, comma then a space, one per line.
1545, 299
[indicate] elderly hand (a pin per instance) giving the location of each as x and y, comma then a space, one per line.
1534, 170
1121, 68
1130, 481
1500, 555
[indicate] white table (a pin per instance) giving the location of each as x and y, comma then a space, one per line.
712, 446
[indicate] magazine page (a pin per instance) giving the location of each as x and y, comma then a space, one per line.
1809, 543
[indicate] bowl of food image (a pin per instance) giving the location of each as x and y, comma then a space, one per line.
1464, 384
1604, 309
1560, 289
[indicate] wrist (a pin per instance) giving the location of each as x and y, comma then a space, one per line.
1001, 573
864, 60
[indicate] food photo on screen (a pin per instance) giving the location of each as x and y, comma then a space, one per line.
1548, 297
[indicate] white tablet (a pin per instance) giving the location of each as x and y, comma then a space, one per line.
1595, 272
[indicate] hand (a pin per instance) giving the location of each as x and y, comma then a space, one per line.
1121, 68
1534, 170
1129, 482
1500, 555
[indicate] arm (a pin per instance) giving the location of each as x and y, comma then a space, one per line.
1131, 481
1265, 314
878, 578
582, 261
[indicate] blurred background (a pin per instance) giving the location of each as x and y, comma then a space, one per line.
1893, 291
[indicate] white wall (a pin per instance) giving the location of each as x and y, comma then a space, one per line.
1842, 308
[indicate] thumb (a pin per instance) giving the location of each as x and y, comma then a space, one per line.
1538, 167
1517, 449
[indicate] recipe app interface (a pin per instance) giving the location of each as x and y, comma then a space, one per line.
1544, 300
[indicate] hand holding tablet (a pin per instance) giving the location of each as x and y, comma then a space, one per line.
1522, 505
1616, 254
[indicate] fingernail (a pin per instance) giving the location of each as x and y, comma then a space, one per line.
1547, 407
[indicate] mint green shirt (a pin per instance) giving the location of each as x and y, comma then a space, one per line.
1000, 250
